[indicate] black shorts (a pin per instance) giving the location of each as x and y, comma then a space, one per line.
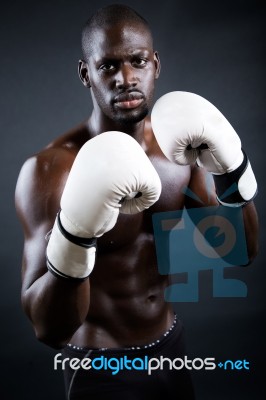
119, 382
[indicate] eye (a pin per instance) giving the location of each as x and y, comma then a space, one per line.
107, 67
140, 62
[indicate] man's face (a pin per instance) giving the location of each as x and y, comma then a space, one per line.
122, 68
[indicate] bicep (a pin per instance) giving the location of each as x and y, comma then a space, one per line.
34, 258
36, 206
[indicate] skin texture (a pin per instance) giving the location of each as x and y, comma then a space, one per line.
122, 302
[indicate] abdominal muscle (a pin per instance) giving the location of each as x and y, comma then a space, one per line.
127, 305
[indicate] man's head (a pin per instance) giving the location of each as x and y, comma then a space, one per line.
119, 63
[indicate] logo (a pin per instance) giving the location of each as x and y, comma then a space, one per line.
117, 365
193, 240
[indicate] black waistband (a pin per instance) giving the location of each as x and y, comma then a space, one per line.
173, 331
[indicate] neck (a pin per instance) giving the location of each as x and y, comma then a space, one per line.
99, 125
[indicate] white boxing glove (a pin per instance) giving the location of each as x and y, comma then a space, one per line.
110, 174
190, 129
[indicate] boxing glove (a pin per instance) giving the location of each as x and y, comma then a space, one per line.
110, 174
190, 129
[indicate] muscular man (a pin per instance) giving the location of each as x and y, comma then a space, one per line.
111, 304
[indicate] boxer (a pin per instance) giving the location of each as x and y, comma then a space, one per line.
91, 285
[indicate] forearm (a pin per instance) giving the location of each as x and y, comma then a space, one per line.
190, 130
56, 308
251, 230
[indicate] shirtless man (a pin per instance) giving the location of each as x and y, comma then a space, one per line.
113, 304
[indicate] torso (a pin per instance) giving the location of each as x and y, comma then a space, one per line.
127, 305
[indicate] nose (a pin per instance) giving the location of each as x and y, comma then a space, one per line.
126, 77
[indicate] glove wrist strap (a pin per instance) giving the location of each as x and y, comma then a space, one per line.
69, 257
236, 188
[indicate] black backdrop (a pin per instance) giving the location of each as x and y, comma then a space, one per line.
212, 48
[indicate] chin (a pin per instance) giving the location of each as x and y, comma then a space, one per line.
131, 118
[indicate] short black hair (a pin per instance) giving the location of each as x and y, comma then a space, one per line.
109, 16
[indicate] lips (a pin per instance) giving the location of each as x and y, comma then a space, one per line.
128, 100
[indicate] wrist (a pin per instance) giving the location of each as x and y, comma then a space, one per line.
69, 256
238, 187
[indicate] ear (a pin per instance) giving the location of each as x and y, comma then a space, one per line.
157, 64
83, 73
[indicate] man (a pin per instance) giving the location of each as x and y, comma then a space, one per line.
112, 304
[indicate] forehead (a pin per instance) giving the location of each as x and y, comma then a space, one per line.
121, 39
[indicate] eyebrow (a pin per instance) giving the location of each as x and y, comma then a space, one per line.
113, 57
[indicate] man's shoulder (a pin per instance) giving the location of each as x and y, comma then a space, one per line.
54, 161
63, 148
71, 141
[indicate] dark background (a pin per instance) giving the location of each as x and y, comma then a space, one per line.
213, 48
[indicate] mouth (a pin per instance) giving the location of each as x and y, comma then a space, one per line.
128, 100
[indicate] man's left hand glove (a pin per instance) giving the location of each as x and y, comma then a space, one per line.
190, 129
